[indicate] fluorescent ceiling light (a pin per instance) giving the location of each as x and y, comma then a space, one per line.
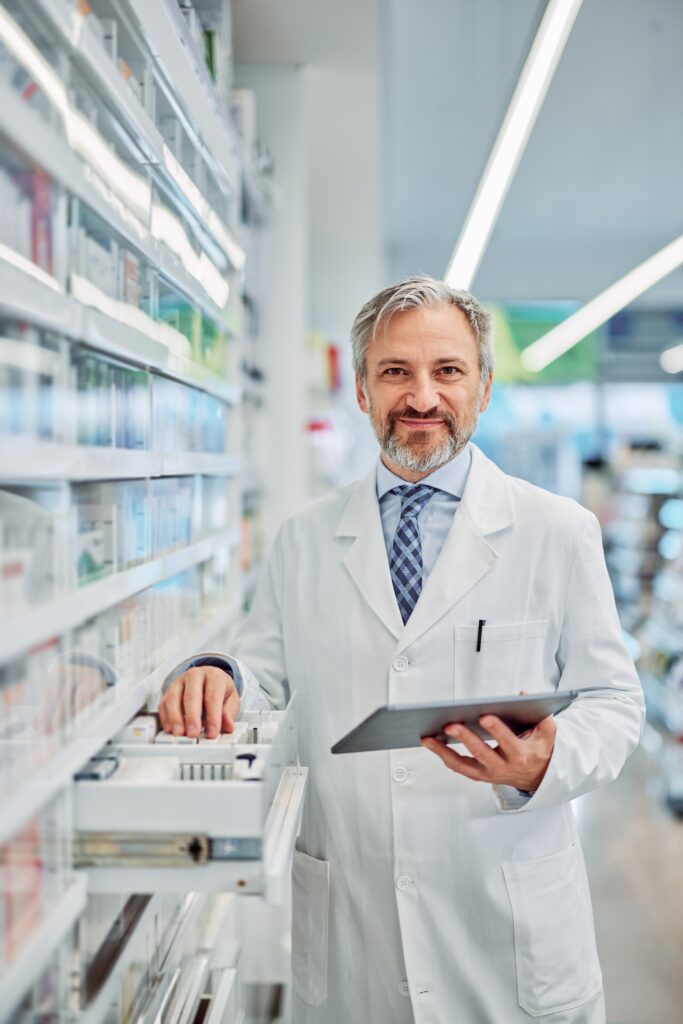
671, 360
513, 136
596, 312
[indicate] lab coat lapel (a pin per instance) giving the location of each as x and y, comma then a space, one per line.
467, 555
366, 560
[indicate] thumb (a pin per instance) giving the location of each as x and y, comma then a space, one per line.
547, 728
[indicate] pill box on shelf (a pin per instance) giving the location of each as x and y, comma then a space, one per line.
204, 816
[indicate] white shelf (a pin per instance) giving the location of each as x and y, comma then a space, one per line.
53, 618
206, 463
26, 298
38, 141
43, 146
59, 771
51, 932
27, 459
163, 27
94, 62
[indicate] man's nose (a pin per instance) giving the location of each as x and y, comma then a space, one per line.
423, 395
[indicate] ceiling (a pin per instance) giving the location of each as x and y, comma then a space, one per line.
598, 188
318, 32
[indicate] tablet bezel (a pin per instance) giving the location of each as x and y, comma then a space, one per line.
400, 726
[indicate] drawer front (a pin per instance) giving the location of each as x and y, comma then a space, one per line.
216, 809
141, 868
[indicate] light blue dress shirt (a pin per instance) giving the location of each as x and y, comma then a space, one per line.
434, 520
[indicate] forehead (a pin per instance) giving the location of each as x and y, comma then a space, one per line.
425, 332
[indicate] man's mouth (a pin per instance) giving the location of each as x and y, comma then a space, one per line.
421, 424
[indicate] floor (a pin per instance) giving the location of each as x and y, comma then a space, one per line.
634, 852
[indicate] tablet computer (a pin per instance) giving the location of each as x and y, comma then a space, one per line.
404, 725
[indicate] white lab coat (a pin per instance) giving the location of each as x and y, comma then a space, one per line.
420, 895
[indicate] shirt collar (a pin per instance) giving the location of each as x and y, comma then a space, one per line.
450, 478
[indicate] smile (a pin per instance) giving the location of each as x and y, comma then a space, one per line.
422, 424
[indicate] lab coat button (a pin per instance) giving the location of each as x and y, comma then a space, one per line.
399, 775
404, 988
403, 884
401, 664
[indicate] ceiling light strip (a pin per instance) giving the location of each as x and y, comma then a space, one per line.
513, 136
596, 312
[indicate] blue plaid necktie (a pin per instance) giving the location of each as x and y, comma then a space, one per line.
405, 561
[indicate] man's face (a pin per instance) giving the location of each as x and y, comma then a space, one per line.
423, 389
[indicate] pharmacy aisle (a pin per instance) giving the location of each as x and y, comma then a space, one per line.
129, 385
634, 850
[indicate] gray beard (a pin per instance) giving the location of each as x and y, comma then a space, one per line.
415, 461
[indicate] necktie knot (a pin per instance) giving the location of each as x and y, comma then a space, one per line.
413, 497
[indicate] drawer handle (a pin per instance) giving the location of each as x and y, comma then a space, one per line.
107, 849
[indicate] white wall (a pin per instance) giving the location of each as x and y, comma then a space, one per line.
282, 125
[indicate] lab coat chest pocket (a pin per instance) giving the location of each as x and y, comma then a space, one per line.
310, 913
556, 957
510, 658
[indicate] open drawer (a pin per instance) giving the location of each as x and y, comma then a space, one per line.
195, 817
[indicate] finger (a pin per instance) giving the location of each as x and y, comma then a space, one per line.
172, 705
231, 708
505, 737
467, 766
214, 693
161, 714
475, 744
193, 694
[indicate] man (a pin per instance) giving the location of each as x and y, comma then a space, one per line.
447, 888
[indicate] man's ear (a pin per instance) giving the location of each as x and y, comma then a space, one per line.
361, 397
486, 398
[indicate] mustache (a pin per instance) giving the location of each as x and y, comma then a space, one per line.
413, 414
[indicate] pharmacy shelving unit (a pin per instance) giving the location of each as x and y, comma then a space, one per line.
122, 269
645, 558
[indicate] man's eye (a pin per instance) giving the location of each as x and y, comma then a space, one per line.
450, 371
393, 371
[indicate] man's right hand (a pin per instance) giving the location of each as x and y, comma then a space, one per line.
210, 692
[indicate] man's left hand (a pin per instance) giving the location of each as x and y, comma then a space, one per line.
518, 761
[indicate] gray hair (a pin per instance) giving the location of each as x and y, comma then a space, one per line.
413, 293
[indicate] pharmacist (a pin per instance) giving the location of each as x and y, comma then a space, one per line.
435, 884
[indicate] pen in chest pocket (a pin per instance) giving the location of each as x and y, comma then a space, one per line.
480, 630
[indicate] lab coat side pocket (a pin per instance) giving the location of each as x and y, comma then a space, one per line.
310, 916
555, 952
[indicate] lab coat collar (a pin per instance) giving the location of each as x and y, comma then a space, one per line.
366, 559
485, 509
467, 554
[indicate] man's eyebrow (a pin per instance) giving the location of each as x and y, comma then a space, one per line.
437, 362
